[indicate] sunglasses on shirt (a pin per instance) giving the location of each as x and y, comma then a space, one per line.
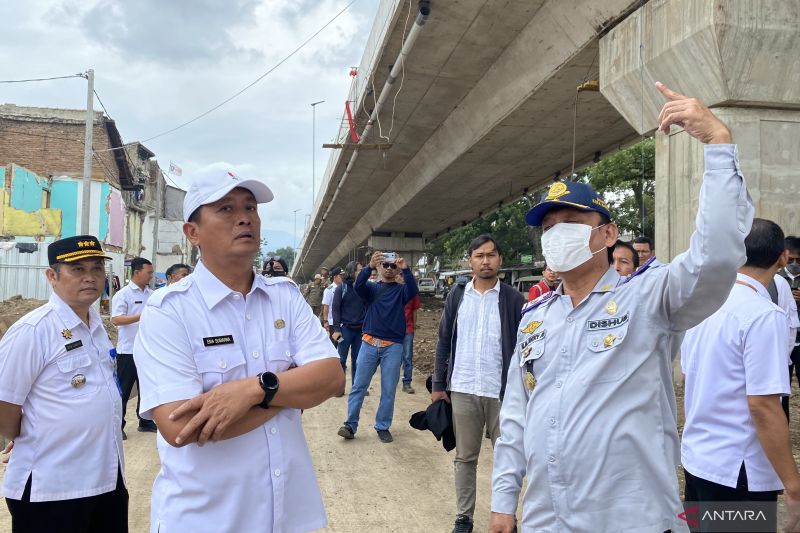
390, 265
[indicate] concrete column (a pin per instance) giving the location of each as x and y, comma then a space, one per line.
741, 59
409, 248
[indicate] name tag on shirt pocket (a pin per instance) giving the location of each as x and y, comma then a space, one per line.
217, 366
605, 360
530, 351
76, 378
280, 358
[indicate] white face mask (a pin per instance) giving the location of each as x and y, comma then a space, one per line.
566, 245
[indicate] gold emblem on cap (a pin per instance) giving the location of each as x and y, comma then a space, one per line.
280, 324
557, 190
78, 381
609, 340
531, 327
611, 307
530, 381
66, 333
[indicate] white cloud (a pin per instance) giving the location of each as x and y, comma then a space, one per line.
158, 64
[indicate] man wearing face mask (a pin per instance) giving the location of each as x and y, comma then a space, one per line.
589, 412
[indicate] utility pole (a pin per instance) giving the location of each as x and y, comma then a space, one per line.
87, 155
314, 152
294, 248
157, 213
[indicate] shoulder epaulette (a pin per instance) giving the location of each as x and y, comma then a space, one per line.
530, 306
157, 298
641, 269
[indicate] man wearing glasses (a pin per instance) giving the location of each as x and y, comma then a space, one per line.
383, 333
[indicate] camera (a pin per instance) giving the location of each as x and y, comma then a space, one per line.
389, 257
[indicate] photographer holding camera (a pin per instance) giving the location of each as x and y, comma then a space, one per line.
383, 333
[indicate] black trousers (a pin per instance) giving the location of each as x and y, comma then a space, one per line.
104, 513
701, 490
126, 371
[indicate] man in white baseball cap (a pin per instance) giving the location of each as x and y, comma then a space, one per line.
227, 359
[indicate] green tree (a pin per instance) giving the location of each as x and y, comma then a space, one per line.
258, 262
287, 253
626, 179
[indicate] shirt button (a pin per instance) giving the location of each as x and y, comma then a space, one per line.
563, 349
595, 343
277, 472
288, 354
552, 421
256, 355
551, 459
558, 384
273, 431
248, 316
223, 363
236, 296
569, 319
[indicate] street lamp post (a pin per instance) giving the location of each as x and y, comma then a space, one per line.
314, 151
294, 248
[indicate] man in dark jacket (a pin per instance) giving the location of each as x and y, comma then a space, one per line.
473, 366
348, 317
384, 331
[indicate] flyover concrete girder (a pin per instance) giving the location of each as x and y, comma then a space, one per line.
460, 136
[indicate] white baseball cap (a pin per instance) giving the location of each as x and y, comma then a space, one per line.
210, 188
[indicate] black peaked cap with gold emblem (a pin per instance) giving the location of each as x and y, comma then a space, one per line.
567, 194
75, 248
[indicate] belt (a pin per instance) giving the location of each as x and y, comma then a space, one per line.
374, 341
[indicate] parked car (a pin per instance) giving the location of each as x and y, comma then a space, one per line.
426, 287
524, 284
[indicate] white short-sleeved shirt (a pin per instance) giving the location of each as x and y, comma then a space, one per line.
789, 305
70, 438
327, 299
478, 361
196, 334
737, 352
130, 300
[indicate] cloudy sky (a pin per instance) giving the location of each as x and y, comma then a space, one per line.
160, 63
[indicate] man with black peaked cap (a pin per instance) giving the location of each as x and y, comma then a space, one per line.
589, 413
60, 404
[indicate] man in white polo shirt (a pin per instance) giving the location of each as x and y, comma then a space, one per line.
126, 308
227, 360
736, 444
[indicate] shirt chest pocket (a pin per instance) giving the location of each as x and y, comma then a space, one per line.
77, 375
605, 359
279, 357
217, 366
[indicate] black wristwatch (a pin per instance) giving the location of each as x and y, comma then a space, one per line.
269, 383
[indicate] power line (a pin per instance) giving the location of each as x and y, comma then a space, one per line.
81, 75
235, 95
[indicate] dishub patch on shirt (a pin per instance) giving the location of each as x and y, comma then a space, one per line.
219, 339
606, 323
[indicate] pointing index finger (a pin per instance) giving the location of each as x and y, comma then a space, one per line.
668, 93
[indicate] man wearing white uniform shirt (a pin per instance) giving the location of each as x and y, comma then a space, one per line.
589, 411
248, 354
60, 404
736, 443
126, 308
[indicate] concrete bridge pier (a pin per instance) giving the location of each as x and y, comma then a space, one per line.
740, 58
409, 247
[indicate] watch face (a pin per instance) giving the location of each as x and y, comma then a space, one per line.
269, 381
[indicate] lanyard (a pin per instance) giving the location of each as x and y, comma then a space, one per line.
739, 282
112, 353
